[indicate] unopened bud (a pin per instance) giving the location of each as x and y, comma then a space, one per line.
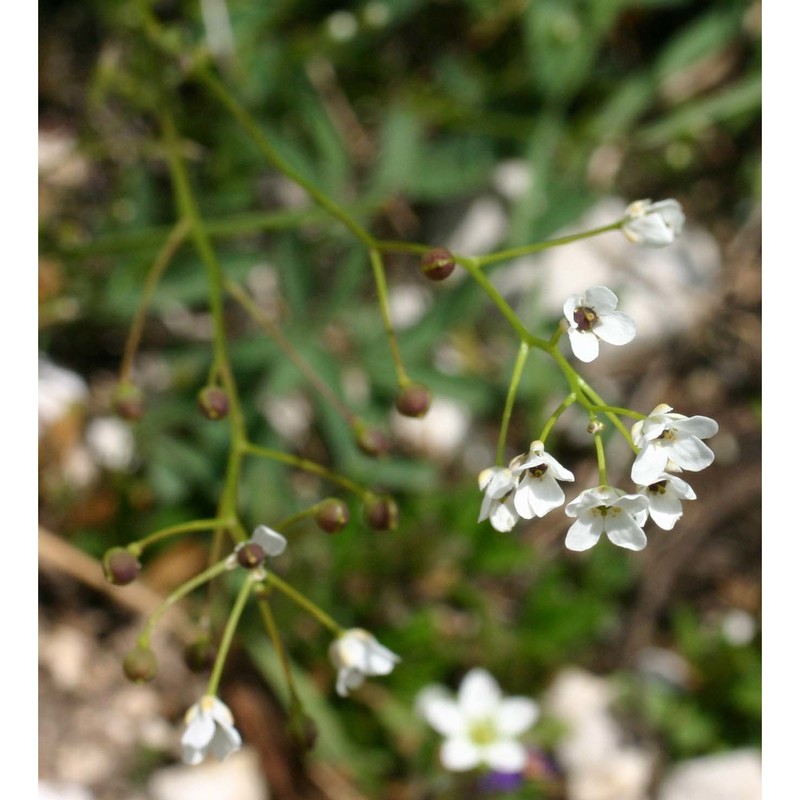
414, 400
128, 401
332, 514
381, 512
250, 555
120, 566
437, 264
372, 441
213, 402
199, 655
140, 665
595, 426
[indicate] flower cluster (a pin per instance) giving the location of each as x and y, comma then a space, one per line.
667, 443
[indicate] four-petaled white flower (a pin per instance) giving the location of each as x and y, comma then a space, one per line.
654, 224
498, 485
664, 499
670, 442
605, 509
591, 317
357, 654
537, 491
209, 726
480, 726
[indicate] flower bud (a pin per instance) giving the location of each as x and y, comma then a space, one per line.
199, 655
250, 555
120, 566
371, 441
128, 401
381, 512
213, 402
437, 264
595, 426
332, 514
140, 665
414, 400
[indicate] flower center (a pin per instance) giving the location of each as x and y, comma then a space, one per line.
538, 471
657, 488
482, 732
605, 511
585, 318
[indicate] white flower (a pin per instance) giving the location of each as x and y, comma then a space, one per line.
670, 442
538, 492
209, 726
592, 317
655, 224
605, 509
480, 726
356, 654
664, 499
498, 485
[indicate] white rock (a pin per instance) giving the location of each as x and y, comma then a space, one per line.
725, 776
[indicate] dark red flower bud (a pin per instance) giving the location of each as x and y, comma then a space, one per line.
332, 514
381, 512
128, 401
371, 441
250, 555
120, 566
414, 400
437, 264
140, 665
213, 402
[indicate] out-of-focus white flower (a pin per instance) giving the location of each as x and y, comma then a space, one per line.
357, 654
538, 491
480, 726
111, 442
608, 510
738, 627
670, 442
734, 775
209, 726
592, 316
498, 485
654, 224
623, 774
59, 390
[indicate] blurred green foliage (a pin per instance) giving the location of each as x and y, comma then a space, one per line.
404, 122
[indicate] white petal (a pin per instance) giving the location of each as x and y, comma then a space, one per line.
601, 299
546, 494
460, 754
516, 715
270, 541
502, 517
444, 715
583, 534
624, 532
523, 500
346, 679
665, 509
196, 738
570, 304
701, 427
226, 740
585, 345
561, 472
691, 454
649, 464
616, 328
479, 695
506, 756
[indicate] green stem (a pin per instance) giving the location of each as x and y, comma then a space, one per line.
305, 603
601, 459
230, 629
307, 466
383, 302
138, 546
272, 630
548, 426
516, 376
528, 249
177, 594
294, 518
165, 255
